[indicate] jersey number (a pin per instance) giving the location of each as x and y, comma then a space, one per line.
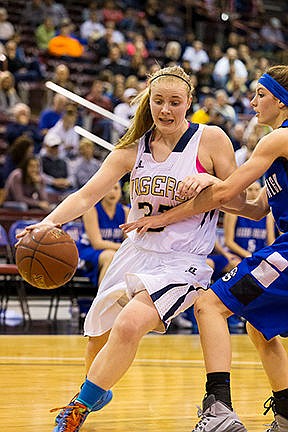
148, 209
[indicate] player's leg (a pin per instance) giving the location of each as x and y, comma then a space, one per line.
137, 318
275, 363
94, 345
104, 261
217, 413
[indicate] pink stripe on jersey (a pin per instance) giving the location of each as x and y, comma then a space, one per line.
199, 166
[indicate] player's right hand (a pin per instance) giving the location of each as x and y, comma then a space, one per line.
143, 224
34, 226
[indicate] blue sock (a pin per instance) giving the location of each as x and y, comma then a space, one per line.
90, 393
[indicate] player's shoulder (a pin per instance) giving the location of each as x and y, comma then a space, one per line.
212, 131
125, 155
276, 141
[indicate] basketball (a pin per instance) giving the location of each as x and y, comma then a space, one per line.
46, 257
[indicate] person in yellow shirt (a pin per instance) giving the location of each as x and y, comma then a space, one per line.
203, 114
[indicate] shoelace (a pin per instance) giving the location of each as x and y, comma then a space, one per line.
269, 404
75, 415
272, 427
203, 422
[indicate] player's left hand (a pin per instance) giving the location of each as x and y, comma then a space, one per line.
143, 224
191, 186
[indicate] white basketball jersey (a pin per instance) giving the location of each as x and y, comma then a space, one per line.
153, 190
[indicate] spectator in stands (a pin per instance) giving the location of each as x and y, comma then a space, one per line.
98, 124
50, 116
8, 93
137, 46
237, 91
245, 55
111, 12
56, 11
204, 114
22, 69
115, 62
272, 35
227, 66
102, 236
44, 33
25, 187
64, 44
60, 76
243, 154
101, 47
64, 128
56, 171
124, 110
6, 27
172, 53
172, 22
85, 166
196, 55
33, 13
21, 149
92, 28
236, 135
87, 11
224, 108
23, 125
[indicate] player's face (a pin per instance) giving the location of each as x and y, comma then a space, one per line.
169, 103
265, 105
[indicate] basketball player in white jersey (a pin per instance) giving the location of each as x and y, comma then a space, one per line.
156, 276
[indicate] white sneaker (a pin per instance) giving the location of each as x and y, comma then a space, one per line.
217, 417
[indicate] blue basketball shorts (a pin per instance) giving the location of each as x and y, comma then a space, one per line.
257, 289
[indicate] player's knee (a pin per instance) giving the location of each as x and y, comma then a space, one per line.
209, 303
106, 256
126, 328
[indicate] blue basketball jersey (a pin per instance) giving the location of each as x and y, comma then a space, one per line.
249, 234
257, 288
276, 180
110, 227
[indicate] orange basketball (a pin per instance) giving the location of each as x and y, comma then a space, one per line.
47, 257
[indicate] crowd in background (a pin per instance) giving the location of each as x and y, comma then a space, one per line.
104, 51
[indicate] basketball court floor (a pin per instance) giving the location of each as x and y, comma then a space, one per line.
159, 392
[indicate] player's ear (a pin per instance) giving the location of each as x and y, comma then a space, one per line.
281, 104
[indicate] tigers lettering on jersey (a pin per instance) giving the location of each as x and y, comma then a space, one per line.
273, 186
158, 185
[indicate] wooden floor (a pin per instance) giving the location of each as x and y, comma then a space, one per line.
159, 392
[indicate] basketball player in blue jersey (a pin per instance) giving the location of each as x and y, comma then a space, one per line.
257, 288
102, 236
153, 277
244, 236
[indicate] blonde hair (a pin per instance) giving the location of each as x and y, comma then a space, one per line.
143, 120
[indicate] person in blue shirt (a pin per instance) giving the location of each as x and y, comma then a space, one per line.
102, 236
257, 288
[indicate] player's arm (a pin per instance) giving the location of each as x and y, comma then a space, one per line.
256, 209
218, 195
115, 166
